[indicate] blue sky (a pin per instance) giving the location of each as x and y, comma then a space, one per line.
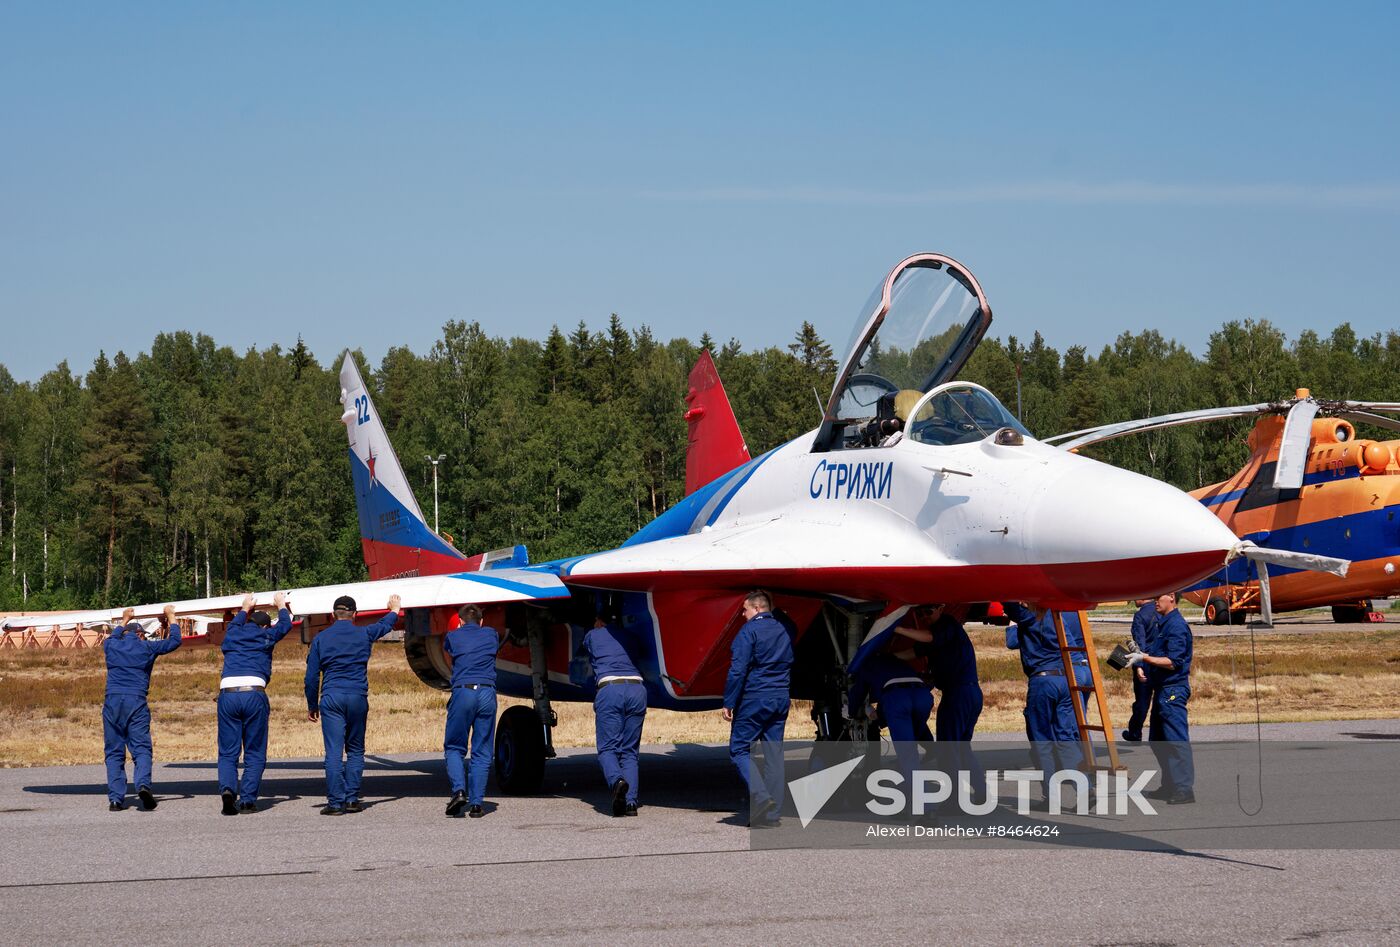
360, 173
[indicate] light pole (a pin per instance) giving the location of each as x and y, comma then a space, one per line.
429, 459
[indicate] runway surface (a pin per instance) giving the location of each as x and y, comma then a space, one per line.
557, 868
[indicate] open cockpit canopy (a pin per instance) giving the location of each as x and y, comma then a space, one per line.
916, 332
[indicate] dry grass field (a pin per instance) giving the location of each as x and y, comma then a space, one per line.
50, 701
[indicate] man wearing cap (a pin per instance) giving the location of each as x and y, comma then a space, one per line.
756, 703
1144, 628
471, 710
619, 709
126, 719
243, 708
337, 694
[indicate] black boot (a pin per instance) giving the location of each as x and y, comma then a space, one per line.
456, 804
619, 797
148, 798
475, 812
230, 802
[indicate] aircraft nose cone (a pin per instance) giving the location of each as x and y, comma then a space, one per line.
1108, 534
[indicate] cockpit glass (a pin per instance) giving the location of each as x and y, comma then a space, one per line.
931, 307
959, 414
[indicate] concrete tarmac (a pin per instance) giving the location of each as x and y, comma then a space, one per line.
557, 868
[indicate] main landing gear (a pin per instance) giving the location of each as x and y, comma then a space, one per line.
524, 735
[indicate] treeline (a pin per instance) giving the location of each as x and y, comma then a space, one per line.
192, 469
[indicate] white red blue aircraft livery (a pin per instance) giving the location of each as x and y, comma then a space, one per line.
915, 488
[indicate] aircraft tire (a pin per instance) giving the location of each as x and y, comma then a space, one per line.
1348, 614
425, 659
1217, 611
519, 757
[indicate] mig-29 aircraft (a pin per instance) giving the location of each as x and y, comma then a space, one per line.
915, 488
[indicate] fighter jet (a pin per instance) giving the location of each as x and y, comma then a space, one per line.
916, 487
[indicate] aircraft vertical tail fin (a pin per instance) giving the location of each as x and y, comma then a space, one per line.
394, 537
716, 446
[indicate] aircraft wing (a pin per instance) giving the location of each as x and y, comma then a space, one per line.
481, 588
782, 554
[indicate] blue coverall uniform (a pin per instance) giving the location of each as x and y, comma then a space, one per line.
1144, 627
1171, 690
756, 692
905, 704
1050, 724
471, 710
337, 683
1074, 637
126, 720
243, 714
952, 665
619, 704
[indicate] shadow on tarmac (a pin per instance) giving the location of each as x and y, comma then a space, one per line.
688, 776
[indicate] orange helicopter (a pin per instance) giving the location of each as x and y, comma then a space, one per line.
1309, 486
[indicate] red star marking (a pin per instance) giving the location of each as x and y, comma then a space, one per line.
370, 464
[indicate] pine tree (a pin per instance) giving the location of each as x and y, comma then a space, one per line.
119, 493
554, 363
300, 358
812, 351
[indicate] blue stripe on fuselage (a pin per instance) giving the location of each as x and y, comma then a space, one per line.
681, 518
534, 591
742, 478
1375, 534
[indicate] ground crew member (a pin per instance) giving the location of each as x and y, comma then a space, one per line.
126, 719
337, 694
619, 709
902, 699
471, 710
1167, 667
1050, 724
756, 703
1074, 637
1144, 627
243, 708
952, 665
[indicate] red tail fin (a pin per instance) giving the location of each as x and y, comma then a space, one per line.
716, 445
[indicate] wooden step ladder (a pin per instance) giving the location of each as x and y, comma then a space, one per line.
1081, 720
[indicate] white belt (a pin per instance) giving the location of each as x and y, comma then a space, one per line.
242, 680
618, 677
903, 680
